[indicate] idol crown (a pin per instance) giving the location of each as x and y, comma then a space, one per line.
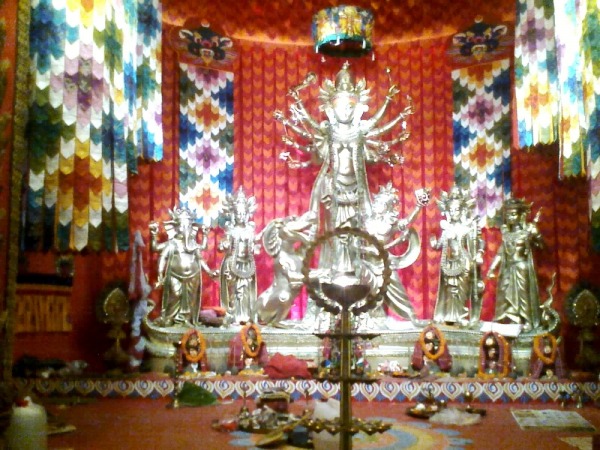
179, 214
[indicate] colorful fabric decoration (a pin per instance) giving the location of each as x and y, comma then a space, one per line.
571, 114
205, 141
557, 87
345, 31
84, 123
481, 42
591, 99
149, 79
117, 146
482, 131
536, 83
391, 390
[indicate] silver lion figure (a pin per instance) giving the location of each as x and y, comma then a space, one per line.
517, 292
284, 240
180, 263
461, 246
238, 268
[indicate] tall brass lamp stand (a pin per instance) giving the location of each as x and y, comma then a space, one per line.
343, 293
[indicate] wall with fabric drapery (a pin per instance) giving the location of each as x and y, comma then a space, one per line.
262, 73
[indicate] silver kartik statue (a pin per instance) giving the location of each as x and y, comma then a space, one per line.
517, 292
342, 144
238, 268
460, 286
385, 224
180, 263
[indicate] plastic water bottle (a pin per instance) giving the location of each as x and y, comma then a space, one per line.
28, 427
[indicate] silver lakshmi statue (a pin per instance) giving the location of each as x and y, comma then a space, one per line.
238, 293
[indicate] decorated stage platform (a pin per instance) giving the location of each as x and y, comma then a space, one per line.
386, 389
394, 342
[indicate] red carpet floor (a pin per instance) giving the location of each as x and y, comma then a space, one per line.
148, 424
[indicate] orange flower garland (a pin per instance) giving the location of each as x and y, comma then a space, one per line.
201, 346
505, 357
243, 335
442, 346
537, 344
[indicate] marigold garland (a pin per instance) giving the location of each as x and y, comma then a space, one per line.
537, 344
502, 342
201, 345
441, 348
243, 335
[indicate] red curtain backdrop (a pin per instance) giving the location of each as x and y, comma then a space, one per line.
263, 74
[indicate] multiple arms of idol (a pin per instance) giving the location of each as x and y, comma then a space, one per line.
306, 128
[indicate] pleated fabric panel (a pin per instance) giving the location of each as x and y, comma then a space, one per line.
47, 54
86, 121
556, 78
205, 141
482, 132
536, 82
149, 79
570, 107
591, 96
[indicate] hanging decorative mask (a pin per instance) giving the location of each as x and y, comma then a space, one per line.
202, 45
480, 42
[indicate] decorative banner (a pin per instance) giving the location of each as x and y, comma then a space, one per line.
536, 84
200, 45
571, 114
482, 122
47, 59
149, 79
85, 121
116, 129
481, 42
205, 141
43, 304
557, 86
591, 99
